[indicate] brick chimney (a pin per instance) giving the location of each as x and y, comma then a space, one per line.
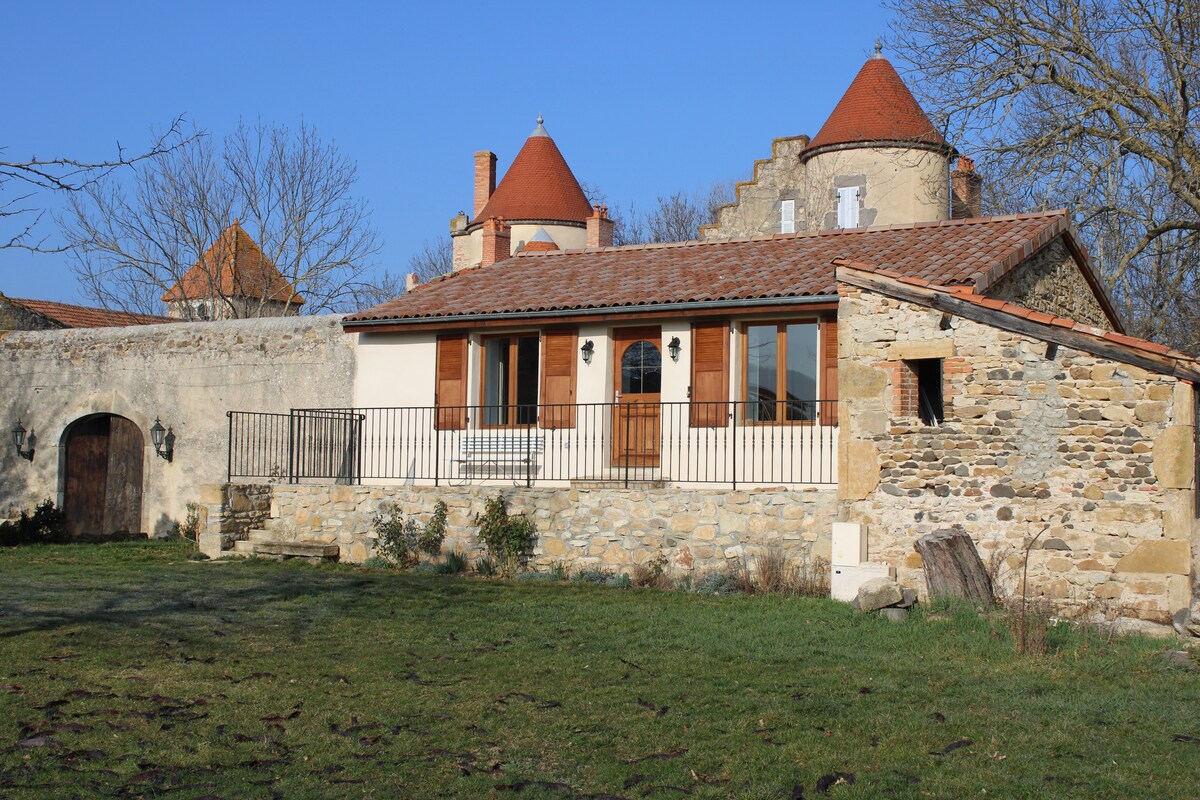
485, 179
411, 281
966, 190
599, 228
497, 241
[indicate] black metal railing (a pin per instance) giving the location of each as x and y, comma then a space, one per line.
729, 443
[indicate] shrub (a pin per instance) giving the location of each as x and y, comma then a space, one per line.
594, 575
724, 581
189, 530
45, 524
376, 562
485, 567
402, 541
773, 573
453, 564
508, 539
652, 574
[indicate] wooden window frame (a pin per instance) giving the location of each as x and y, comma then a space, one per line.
512, 379
780, 369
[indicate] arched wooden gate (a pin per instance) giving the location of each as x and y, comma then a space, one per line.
102, 490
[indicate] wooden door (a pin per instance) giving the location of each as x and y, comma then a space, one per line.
103, 486
637, 384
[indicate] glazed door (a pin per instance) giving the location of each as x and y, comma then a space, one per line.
637, 384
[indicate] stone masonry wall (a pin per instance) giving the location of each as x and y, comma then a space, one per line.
1051, 282
1098, 454
611, 528
756, 211
230, 511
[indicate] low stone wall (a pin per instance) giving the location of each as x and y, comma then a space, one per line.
229, 512
610, 528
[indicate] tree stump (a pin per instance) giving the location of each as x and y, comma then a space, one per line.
953, 567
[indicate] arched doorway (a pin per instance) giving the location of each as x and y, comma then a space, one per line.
102, 487
637, 384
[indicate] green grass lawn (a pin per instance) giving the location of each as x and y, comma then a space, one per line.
128, 671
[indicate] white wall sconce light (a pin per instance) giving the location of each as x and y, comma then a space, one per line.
19, 437
164, 440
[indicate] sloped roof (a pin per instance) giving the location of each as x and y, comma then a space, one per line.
538, 185
72, 316
1159, 357
971, 251
233, 266
878, 107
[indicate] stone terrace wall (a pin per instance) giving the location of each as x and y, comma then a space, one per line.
611, 528
189, 374
234, 509
1099, 453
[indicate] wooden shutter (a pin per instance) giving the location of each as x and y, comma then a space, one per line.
710, 374
787, 220
450, 391
558, 378
829, 370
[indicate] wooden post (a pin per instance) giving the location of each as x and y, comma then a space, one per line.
953, 567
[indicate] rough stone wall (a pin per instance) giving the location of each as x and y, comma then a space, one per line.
1051, 282
18, 318
187, 374
757, 209
230, 511
1098, 454
612, 528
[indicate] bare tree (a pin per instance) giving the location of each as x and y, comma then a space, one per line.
674, 218
435, 257
22, 181
1089, 104
290, 190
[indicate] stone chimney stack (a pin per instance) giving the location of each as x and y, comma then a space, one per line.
411, 281
966, 190
599, 228
497, 241
485, 179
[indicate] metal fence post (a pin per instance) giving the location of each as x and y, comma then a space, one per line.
437, 449
733, 445
291, 445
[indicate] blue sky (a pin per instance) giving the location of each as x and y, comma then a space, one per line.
642, 98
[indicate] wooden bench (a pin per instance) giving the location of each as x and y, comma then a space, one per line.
499, 452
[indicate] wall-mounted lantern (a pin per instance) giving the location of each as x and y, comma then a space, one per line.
673, 347
19, 437
588, 350
163, 439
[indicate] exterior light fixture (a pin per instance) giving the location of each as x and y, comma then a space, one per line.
19, 438
163, 439
673, 347
588, 349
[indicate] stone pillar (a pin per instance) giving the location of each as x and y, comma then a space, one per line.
497, 241
485, 179
599, 228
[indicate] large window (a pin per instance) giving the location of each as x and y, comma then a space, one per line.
510, 380
781, 372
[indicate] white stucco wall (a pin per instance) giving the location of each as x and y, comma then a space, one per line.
899, 186
468, 248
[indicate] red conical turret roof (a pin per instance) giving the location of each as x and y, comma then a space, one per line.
233, 266
538, 185
877, 108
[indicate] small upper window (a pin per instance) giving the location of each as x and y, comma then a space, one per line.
847, 207
929, 390
787, 216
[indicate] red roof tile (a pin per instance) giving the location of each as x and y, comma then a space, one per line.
776, 267
538, 185
233, 266
72, 316
878, 107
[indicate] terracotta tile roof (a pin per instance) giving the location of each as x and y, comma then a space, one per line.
643, 276
535, 246
1175, 358
538, 185
878, 107
240, 269
72, 316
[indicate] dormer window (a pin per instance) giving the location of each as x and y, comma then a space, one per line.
847, 207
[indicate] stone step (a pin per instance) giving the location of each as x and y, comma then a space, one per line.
311, 550
263, 535
243, 547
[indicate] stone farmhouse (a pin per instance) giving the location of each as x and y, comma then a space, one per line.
850, 348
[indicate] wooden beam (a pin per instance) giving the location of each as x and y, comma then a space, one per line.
942, 301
